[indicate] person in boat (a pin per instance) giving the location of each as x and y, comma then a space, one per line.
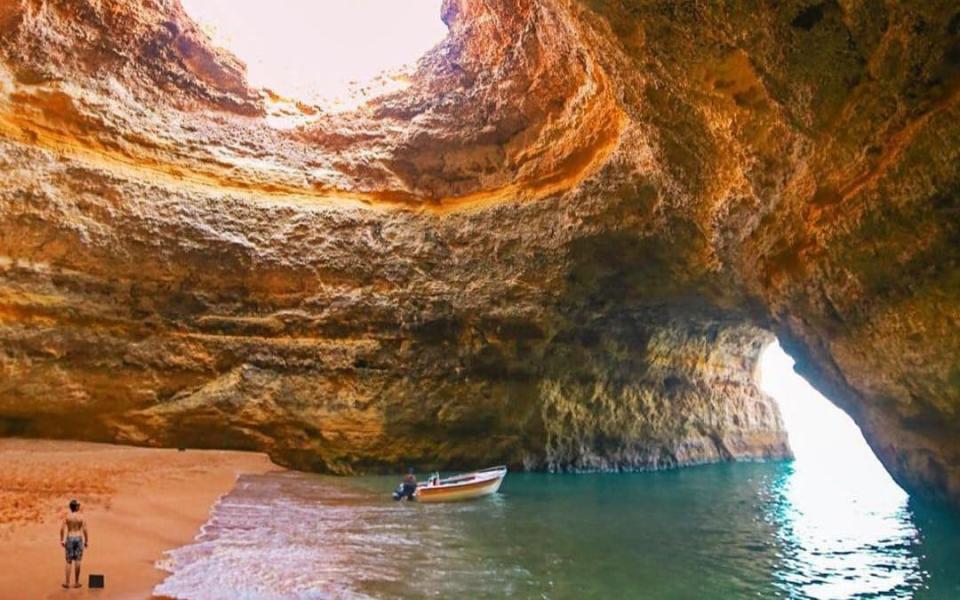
408, 487
73, 538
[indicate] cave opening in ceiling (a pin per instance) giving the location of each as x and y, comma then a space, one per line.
323, 51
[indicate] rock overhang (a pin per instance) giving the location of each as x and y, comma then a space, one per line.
496, 252
144, 89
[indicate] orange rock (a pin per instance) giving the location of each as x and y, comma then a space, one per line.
562, 246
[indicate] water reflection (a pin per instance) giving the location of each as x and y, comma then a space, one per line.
829, 525
844, 525
721, 531
844, 543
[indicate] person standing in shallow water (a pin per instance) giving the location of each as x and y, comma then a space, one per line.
409, 485
73, 538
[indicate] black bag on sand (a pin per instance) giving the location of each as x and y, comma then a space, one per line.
95, 581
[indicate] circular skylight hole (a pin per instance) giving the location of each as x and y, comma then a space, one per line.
336, 53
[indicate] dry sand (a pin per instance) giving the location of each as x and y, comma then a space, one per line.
138, 502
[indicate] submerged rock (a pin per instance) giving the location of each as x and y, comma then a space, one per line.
562, 247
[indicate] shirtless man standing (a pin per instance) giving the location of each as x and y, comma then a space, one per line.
73, 527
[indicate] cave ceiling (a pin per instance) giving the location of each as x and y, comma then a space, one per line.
562, 245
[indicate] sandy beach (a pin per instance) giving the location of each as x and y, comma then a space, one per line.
138, 502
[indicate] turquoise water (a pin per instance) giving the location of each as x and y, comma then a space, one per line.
724, 531
830, 525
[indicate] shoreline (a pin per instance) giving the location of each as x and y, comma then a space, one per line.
138, 503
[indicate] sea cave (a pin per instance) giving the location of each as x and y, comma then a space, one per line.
556, 235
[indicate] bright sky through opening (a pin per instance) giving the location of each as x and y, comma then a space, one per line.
315, 50
821, 435
838, 501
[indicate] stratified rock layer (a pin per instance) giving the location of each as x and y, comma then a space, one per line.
562, 247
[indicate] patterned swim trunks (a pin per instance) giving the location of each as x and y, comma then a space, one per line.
74, 548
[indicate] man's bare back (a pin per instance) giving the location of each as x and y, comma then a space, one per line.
74, 524
73, 538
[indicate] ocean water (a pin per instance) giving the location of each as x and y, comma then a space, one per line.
749, 530
830, 525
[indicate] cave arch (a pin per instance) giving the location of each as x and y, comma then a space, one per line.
560, 179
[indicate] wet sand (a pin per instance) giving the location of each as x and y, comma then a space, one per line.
138, 502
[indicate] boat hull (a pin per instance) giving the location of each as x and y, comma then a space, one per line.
459, 492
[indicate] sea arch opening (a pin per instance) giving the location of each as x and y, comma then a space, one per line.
824, 439
843, 522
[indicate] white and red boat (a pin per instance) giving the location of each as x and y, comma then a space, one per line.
461, 487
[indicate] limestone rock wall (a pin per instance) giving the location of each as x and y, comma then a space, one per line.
313, 335
562, 246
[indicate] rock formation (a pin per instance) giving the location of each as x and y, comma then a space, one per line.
563, 246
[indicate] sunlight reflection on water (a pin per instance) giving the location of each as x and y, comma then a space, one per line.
844, 523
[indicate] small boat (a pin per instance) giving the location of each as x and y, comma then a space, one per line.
461, 487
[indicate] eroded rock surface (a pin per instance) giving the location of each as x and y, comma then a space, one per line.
563, 246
